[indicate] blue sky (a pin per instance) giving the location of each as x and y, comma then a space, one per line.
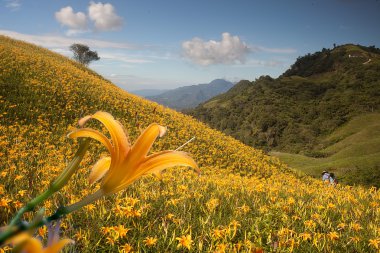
163, 44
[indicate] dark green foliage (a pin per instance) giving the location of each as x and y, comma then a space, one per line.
364, 176
83, 54
312, 64
319, 93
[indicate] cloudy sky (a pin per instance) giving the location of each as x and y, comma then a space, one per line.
164, 44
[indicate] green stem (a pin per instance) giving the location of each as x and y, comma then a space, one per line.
84, 202
30, 206
58, 183
62, 211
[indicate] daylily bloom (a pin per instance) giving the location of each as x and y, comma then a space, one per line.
127, 163
33, 245
25, 243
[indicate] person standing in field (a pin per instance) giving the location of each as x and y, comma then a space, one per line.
325, 176
333, 180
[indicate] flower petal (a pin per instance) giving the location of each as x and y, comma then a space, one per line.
157, 174
145, 141
83, 120
99, 169
118, 136
153, 163
88, 132
32, 245
57, 246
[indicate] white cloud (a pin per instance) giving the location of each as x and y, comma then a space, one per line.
77, 22
12, 4
230, 50
104, 17
49, 41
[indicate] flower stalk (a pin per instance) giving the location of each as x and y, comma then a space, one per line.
15, 226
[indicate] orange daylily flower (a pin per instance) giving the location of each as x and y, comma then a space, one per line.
127, 163
33, 245
29, 244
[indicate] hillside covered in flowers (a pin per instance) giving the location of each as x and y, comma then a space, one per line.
243, 200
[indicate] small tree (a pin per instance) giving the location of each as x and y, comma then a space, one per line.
83, 54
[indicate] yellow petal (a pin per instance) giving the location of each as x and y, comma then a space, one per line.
32, 245
83, 120
158, 174
126, 166
152, 163
57, 246
18, 238
169, 154
118, 136
91, 133
99, 169
145, 141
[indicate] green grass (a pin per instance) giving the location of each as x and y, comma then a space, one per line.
352, 152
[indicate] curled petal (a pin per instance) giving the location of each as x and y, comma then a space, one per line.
119, 138
83, 120
99, 169
163, 160
18, 239
57, 246
153, 163
91, 133
32, 245
145, 141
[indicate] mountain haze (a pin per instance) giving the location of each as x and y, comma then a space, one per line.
191, 96
148, 92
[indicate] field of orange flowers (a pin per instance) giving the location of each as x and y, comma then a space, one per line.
243, 201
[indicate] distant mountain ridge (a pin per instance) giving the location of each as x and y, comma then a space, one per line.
190, 96
297, 112
148, 92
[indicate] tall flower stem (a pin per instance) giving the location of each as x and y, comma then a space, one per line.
57, 184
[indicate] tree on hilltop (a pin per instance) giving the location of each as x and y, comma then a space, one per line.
83, 54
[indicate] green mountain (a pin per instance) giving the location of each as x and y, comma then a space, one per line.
190, 96
300, 111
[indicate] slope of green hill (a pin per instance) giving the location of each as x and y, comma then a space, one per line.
296, 112
352, 152
243, 201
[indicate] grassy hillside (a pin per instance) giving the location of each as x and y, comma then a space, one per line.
243, 200
352, 152
298, 111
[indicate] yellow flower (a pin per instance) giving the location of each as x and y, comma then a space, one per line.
354, 239
126, 164
341, 226
305, 236
356, 227
333, 236
30, 244
150, 241
126, 248
4, 202
375, 243
309, 223
184, 241
121, 230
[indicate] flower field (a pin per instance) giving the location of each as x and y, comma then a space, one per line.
243, 200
